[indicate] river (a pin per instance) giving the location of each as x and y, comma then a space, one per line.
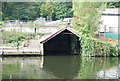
59, 67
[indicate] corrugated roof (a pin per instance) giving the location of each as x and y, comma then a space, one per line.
48, 37
111, 11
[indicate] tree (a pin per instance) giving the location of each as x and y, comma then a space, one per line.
62, 10
19, 10
87, 16
47, 10
33, 10
113, 4
56, 10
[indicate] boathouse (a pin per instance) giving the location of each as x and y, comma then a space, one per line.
64, 41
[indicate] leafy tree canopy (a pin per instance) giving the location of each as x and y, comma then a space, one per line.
87, 16
33, 10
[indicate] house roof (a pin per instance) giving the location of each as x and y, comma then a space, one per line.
48, 37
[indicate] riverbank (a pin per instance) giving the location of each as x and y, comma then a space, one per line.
32, 49
20, 52
90, 47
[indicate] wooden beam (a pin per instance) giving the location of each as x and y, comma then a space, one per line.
66, 33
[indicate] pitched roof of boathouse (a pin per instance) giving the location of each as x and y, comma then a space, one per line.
44, 39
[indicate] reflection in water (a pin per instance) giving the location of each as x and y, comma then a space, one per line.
0, 68
52, 67
91, 66
25, 68
62, 66
111, 73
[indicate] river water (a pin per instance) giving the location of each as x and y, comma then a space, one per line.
59, 67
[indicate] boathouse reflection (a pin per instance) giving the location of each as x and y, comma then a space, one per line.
40, 67
63, 67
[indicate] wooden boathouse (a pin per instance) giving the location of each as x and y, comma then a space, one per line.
64, 41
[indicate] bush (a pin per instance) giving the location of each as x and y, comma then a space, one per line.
13, 36
92, 47
1, 24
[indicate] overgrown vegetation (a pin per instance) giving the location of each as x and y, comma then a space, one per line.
1, 24
14, 38
93, 47
87, 16
113, 4
86, 21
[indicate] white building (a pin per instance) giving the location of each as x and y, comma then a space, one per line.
110, 20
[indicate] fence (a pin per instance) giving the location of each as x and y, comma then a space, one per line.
17, 24
111, 32
41, 23
113, 36
114, 30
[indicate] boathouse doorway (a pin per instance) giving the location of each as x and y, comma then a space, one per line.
64, 41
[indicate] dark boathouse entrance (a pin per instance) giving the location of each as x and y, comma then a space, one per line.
64, 41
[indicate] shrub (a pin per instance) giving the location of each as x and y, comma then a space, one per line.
1, 24
13, 36
92, 47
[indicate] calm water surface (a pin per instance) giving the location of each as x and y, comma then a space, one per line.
59, 67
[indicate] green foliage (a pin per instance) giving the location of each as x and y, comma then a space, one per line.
87, 16
62, 10
33, 10
86, 21
1, 24
56, 10
13, 36
113, 4
92, 47
53, 10
0, 13
47, 10
20, 10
